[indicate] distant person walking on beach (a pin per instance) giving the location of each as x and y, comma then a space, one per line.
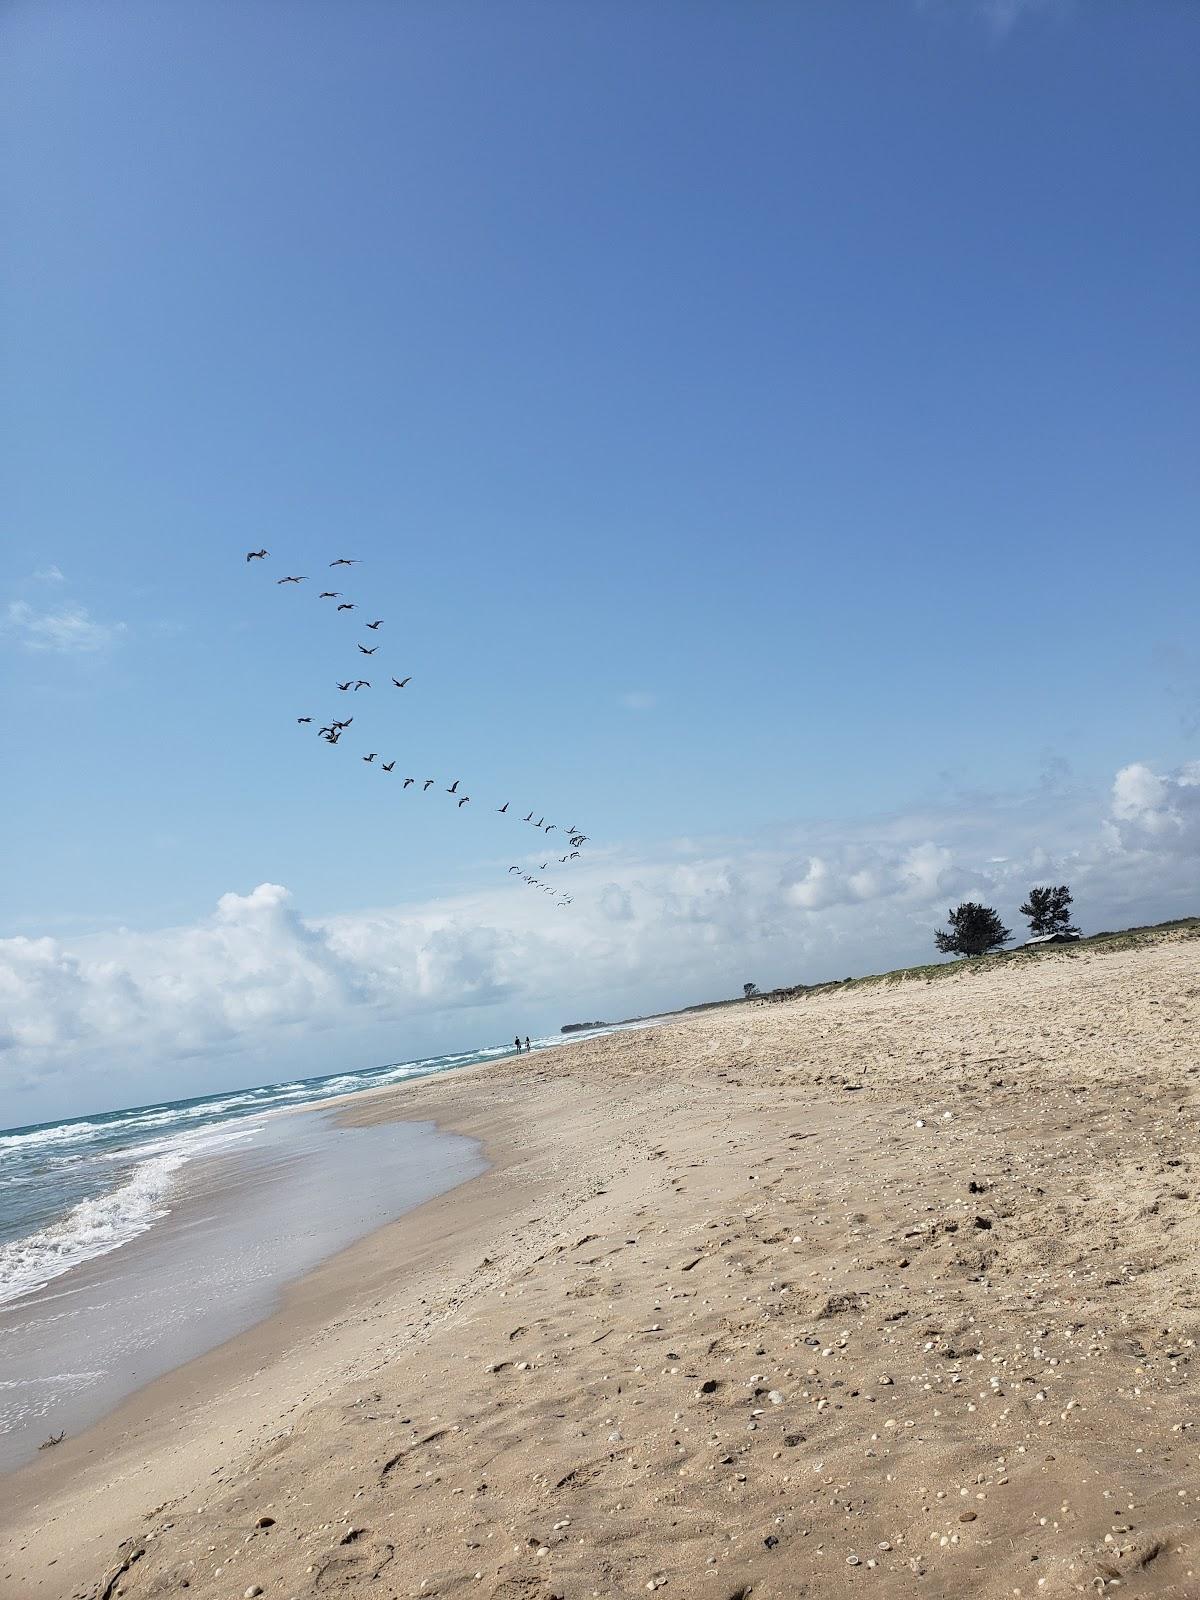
527, 1046
517, 1042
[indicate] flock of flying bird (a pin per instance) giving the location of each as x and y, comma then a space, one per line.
332, 732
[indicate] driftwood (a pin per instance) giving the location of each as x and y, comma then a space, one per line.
55, 1438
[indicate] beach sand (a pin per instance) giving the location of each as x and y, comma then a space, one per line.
892, 1290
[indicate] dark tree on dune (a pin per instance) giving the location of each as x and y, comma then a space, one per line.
1049, 910
974, 930
749, 989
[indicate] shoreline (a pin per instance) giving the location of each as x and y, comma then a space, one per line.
708, 1202
209, 1394
241, 1226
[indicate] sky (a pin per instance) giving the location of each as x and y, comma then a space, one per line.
767, 433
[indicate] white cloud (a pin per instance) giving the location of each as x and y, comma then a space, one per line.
1157, 812
257, 979
1001, 16
1005, 14
70, 630
50, 574
639, 700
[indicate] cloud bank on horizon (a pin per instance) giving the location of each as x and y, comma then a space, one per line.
94, 1016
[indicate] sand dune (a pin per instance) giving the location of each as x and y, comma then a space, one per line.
890, 1291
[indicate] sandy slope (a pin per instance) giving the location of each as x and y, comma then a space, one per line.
891, 1291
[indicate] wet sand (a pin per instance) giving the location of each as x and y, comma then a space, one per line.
293, 1191
894, 1287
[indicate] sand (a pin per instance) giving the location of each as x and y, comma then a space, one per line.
892, 1290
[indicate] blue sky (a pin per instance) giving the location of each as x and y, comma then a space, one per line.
758, 426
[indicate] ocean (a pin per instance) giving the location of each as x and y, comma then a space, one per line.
77, 1189
134, 1240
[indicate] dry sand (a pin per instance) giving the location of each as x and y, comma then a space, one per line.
889, 1291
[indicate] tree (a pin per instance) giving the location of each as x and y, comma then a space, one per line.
1049, 910
749, 989
973, 931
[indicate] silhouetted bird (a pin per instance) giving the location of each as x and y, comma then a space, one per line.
348, 684
454, 786
346, 605
514, 869
371, 757
303, 719
402, 683
345, 561
367, 652
573, 856
363, 683
549, 827
407, 781
502, 809
539, 821
378, 624
529, 818
427, 783
300, 579
257, 555
465, 801
388, 765
345, 724
330, 594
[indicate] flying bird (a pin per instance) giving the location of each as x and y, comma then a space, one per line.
454, 786
330, 594
345, 561
539, 821
346, 605
407, 781
514, 869
378, 624
402, 683
363, 683
502, 809
303, 719
344, 686
345, 724
529, 818
300, 579
549, 827
367, 652
388, 765
371, 757
257, 555
573, 856
465, 801
427, 783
